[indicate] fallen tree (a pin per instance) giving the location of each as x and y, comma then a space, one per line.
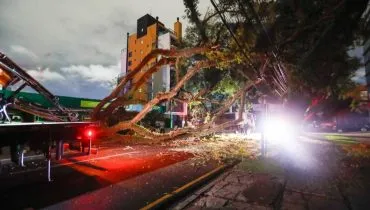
249, 69
203, 58
210, 60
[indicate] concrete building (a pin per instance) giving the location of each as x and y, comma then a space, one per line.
366, 48
151, 34
367, 62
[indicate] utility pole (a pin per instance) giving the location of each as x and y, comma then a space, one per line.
171, 120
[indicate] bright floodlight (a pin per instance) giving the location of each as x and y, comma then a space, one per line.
279, 130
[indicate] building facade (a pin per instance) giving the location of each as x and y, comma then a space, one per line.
150, 34
366, 49
367, 63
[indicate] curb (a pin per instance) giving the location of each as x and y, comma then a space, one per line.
182, 191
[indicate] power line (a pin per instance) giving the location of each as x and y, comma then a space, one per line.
223, 19
234, 37
281, 72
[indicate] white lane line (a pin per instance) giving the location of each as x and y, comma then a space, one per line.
31, 157
41, 156
71, 163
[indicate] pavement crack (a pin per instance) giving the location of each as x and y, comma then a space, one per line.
345, 199
277, 202
305, 201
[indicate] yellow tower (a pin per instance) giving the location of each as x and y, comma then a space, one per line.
141, 43
178, 29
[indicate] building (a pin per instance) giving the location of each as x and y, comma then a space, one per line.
150, 34
366, 48
367, 63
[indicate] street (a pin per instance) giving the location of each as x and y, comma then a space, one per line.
115, 178
131, 177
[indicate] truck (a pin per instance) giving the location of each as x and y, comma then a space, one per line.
38, 127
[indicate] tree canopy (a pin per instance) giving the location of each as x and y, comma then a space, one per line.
242, 49
308, 40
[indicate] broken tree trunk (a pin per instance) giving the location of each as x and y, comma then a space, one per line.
184, 53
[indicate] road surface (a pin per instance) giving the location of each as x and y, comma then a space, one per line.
115, 178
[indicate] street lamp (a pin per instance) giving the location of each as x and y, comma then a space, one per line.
90, 134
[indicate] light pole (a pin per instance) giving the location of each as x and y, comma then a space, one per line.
90, 134
171, 123
265, 118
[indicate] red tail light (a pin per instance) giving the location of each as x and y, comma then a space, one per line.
90, 133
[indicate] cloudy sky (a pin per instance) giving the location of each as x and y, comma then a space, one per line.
73, 47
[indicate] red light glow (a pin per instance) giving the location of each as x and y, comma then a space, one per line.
89, 133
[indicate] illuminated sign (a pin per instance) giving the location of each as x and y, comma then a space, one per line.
90, 104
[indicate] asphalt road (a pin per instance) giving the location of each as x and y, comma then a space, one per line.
115, 178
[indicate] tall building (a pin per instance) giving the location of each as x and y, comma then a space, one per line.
367, 62
150, 34
366, 48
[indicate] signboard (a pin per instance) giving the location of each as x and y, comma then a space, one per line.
180, 109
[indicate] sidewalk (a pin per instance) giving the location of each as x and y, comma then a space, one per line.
312, 178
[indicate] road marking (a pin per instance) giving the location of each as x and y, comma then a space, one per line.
41, 156
71, 163
184, 187
31, 157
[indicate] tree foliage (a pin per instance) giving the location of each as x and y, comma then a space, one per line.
281, 49
308, 39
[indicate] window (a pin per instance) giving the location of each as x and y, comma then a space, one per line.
140, 90
141, 42
129, 63
142, 29
129, 54
147, 45
141, 51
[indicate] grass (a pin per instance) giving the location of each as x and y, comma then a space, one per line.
341, 139
358, 150
261, 165
351, 146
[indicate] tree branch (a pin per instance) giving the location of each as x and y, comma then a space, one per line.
232, 100
162, 96
153, 54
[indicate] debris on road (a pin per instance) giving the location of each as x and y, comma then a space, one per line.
220, 147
